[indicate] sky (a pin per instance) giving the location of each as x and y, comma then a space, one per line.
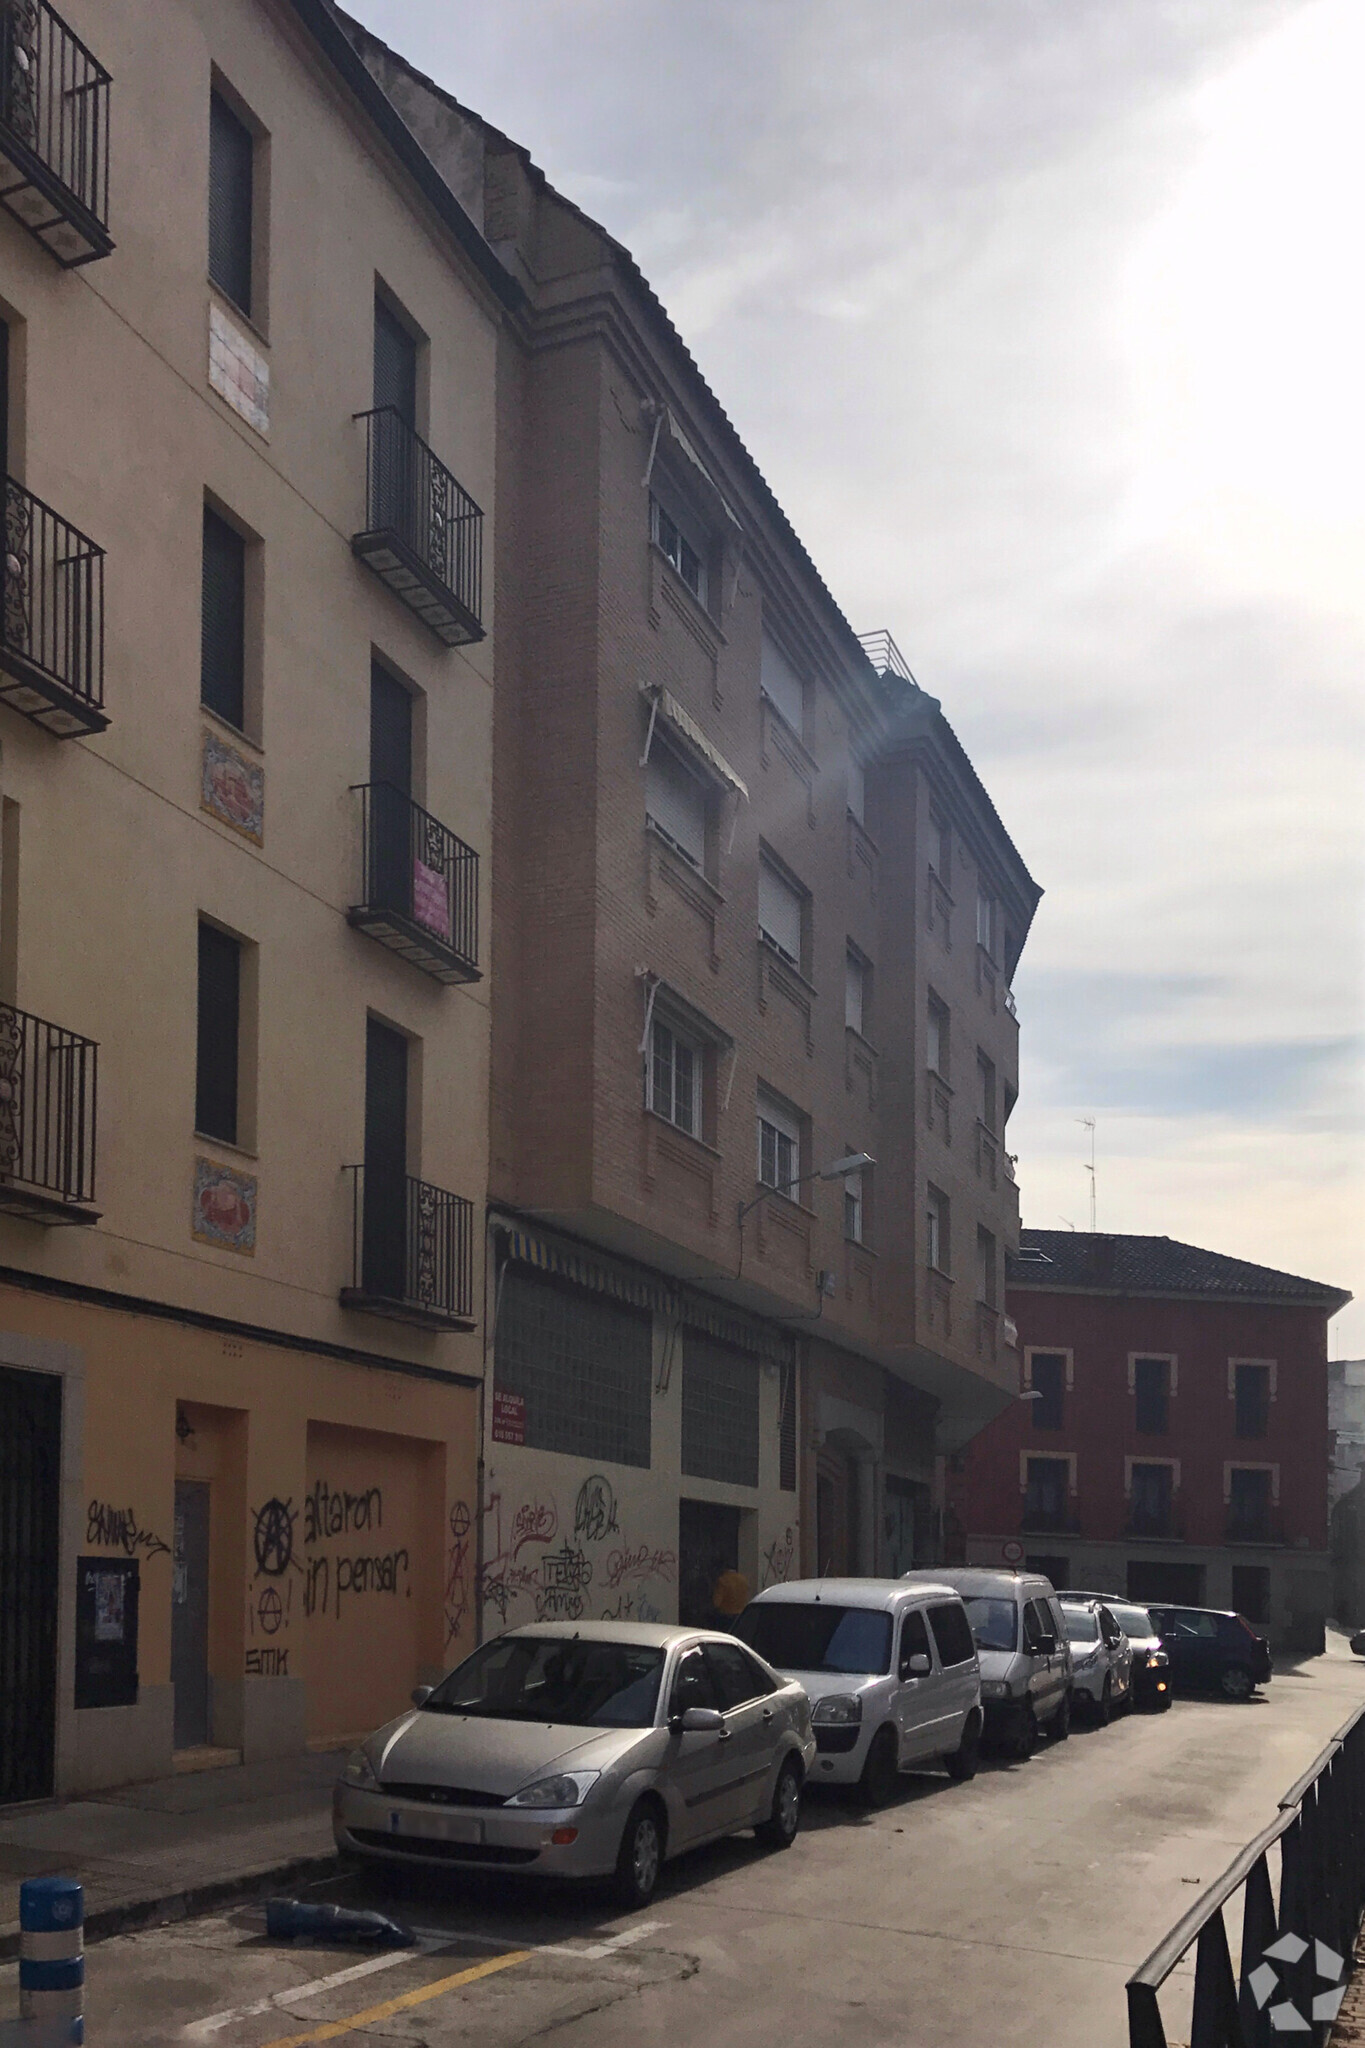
1044, 320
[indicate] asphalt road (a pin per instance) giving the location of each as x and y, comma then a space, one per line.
1007, 1910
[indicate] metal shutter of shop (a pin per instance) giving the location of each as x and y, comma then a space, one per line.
231, 148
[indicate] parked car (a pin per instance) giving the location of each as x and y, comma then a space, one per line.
891, 1672
1022, 1649
1101, 1657
1213, 1650
585, 1750
1151, 1665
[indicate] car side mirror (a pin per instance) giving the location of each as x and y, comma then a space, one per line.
698, 1721
1043, 1646
917, 1666
421, 1694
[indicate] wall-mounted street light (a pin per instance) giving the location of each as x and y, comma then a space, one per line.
852, 1162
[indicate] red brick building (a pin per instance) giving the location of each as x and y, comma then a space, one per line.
1171, 1439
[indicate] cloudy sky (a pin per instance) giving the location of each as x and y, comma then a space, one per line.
1044, 320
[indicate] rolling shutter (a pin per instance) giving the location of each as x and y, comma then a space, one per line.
675, 801
222, 669
230, 203
779, 912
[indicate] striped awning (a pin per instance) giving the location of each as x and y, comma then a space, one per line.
683, 722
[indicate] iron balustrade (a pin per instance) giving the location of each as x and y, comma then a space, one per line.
1154, 1525
419, 886
52, 621
412, 1251
423, 533
48, 1101
1041, 1521
54, 133
1254, 1525
1297, 1936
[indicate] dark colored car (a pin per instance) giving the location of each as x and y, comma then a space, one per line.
1151, 1664
1212, 1651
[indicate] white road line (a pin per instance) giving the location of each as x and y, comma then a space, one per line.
277, 1999
592, 1952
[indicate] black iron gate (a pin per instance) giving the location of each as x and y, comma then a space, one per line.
30, 1493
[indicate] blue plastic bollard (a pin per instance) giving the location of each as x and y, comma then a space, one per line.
52, 1956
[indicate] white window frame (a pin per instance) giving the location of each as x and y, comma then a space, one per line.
1032, 1351
682, 540
1027, 1457
667, 1109
781, 684
1172, 1464
1233, 1363
855, 990
1232, 1465
664, 762
1172, 1364
798, 900
853, 1194
776, 1116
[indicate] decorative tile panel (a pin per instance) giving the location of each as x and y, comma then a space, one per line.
223, 1211
238, 372
232, 789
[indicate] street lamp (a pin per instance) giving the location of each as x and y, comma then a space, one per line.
852, 1162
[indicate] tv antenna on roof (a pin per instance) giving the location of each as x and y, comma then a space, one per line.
1088, 1123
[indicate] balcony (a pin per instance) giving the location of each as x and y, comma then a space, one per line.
1154, 1525
48, 1085
52, 625
54, 134
419, 886
423, 534
412, 1252
1047, 1521
987, 1332
1252, 1525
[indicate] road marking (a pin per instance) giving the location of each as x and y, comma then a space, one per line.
590, 1953
215, 2021
405, 2000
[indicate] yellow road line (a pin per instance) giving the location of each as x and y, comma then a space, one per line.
386, 2011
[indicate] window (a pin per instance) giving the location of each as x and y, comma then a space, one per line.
986, 1263
232, 150
855, 991
1047, 1370
676, 803
781, 913
1151, 1393
1249, 1502
580, 1684
857, 788
720, 1402
735, 1675
674, 1076
1046, 1482
1150, 1509
1039, 1628
952, 1633
693, 1685
395, 365
985, 921
985, 1082
782, 686
940, 850
680, 539
915, 1640
1252, 1398
583, 1366
219, 1033
938, 1038
779, 1143
222, 637
937, 1218
853, 1205
818, 1636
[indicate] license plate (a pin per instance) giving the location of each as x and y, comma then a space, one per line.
437, 1827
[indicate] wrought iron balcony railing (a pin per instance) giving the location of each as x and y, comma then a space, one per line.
1154, 1525
52, 621
1254, 1525
54, 133
1049, 1521
423, 533
412, 1251
48, 1099
419, 885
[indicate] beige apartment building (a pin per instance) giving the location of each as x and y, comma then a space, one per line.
755, 920
250, 357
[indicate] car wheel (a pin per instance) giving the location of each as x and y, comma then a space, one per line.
1104, 1705
962, 1761
1236, 1683
779, 1830
1026, 1735
881, 1770
1060, 1725
640, 1858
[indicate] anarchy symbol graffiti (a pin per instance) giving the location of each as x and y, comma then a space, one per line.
270, 1611
273, 1539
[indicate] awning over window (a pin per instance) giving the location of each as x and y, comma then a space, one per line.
685, 447
685, 725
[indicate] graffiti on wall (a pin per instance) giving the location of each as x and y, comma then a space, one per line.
457, 1570
267, 1663
595, 1514
507, 1575
593, 1569
330, 1515
633, 1566
565, 1576
777, 1559
111, 1528
272, 1538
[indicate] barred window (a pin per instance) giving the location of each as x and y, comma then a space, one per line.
719, 1411
583, 1366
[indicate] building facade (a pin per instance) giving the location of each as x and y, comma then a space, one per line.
1346, 1494
755, 919
1171, 1437
250, 354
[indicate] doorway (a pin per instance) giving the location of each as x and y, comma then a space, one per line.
708, 1544
1166, 1585
30, 1493
384, 1237
390, 793
190, 1614
838, 1529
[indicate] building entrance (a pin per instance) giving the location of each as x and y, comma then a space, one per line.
30, 1491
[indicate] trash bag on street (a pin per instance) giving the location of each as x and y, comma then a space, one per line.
287, 1918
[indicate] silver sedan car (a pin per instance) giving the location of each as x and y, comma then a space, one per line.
593, 1749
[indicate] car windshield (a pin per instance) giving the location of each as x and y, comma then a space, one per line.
995, 1623
1134, 1621
564, 1679
815, 1636
1081, 1625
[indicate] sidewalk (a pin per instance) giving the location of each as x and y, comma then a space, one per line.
180, 1845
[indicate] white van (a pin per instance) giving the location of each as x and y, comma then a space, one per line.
891, 1673
1022, 1644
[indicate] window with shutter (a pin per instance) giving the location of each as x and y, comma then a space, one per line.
938, 1039
782, 685
855, 989
219, 1026
676, 803
222, 671
674, 1078
231, 154
779, 913
857, 788
779, 1143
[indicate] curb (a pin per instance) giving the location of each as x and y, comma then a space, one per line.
166, 1907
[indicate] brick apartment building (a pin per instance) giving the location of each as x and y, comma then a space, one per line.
753, 914
1172, 1441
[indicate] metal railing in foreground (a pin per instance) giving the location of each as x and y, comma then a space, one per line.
1298, 1934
